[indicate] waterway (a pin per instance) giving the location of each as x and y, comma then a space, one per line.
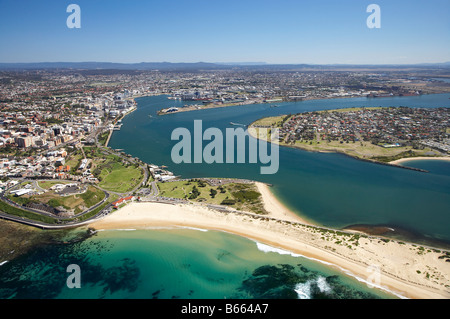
328, 189
332, 190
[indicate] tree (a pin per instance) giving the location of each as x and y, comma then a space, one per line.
195, 193
213, 192
201, 183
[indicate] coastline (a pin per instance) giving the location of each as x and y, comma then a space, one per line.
276, 208
204, 107
407, 159
397, 163
215, 106
313, 98
312, 242
396, 275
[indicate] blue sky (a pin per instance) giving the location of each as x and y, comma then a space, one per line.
275, 31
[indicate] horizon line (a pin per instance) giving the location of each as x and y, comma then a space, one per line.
243, 63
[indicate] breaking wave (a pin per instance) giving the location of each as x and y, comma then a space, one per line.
303, 290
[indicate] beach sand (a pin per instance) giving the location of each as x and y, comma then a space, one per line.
403, 160
398, 262
275, 208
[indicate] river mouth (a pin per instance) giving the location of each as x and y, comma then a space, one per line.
331, 190
400, 234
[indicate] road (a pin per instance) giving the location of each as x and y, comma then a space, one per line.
35, 182
93, 135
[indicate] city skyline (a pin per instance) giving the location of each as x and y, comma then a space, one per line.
289, 32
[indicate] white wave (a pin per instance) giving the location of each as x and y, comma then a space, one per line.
371, 284
303, 290
156, 228
174, 228
160, 228
269, 249
193, 228
266, 248
113, 230
3, 262
323, 285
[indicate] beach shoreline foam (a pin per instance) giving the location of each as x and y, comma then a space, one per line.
391, 257
410, 159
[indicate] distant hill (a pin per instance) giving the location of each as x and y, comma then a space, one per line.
168, 66
109, 65
241, 63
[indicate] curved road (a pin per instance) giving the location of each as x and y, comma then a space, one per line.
44, 225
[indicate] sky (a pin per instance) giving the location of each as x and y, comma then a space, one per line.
275, 31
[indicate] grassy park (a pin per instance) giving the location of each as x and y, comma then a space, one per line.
360, 149
78, 203
114, 173
117, 177
236, 195
49, 184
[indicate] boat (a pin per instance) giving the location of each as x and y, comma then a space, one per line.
274, 105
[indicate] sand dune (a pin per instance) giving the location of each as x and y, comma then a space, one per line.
405, 269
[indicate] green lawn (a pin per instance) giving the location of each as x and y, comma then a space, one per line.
103, 137
114, 174
236, 195
74, 160
48, 184
183, 189
116, 177
22, 213
273, 121
92, 213
74, 202
360, 149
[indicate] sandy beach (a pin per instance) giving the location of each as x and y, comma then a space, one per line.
275, 208
405, 269
403, 160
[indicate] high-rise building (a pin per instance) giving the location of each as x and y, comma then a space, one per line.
24, 142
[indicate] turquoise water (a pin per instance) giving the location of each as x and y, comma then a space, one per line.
329, 189
174, 263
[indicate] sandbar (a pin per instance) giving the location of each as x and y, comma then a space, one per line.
408, 159
398, 262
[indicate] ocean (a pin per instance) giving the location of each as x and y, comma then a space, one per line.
175, 264
331, 190
171, 263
